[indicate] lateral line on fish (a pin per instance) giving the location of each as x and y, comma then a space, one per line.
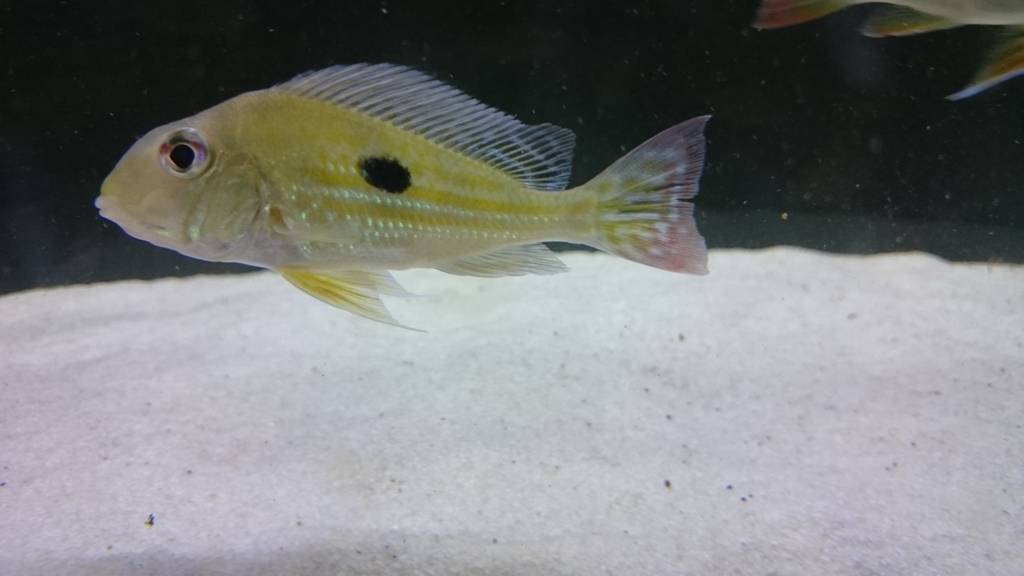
463, 218
524, 205
523, 200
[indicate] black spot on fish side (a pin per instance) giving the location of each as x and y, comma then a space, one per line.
385, 174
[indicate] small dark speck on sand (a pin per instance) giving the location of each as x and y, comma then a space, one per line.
150, 521
681, 337
743, 498
668, 484
494, 540
668, 416
728, 486
2, 484
298, 523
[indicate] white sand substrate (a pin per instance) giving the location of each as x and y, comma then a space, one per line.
793, 413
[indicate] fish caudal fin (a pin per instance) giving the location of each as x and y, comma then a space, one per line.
644, 213
782, 13
1005, 62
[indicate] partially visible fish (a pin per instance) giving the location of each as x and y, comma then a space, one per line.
905, 17
338, 176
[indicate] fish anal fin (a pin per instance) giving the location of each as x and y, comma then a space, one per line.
1004, 62
539, 156
355, 291
902, 21
511, 261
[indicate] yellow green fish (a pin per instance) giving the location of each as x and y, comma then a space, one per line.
338, 176
905, 17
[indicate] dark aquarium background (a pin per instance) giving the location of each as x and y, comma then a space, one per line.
821, 137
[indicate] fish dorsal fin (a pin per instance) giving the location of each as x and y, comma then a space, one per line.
356, 291
511, 261
902, 21
539, 156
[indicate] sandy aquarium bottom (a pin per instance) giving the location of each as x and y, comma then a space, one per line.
791, 413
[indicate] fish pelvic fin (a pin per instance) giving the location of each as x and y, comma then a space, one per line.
1006, 61
902, 21
355, 291
782, 13
644, 212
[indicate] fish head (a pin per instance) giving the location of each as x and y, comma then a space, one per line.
183, 186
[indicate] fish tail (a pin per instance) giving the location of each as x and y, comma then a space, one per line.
781, 13
644, 213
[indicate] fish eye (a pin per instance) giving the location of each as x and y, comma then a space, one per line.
185, 154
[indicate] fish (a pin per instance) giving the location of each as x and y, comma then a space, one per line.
907, 17
338, 177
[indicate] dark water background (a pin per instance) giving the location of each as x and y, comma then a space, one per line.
821, 137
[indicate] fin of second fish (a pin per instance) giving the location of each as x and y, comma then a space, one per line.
781, 13
901, 21
1005, 62
356, 291
512, 261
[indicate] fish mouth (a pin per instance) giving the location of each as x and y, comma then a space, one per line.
102, 204
159, 235
152, 233
111, 211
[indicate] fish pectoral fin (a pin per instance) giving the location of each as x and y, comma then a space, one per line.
356, 291
511, 261
901, 21
299, 229
1004, 62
